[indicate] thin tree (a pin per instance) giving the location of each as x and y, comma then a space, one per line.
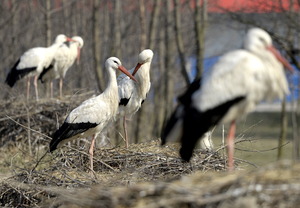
179, 41
169, 51
143, 39
97, 45
200, 22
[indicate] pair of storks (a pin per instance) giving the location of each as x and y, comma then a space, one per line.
46, 63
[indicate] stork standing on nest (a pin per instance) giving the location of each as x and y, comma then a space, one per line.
93, 115
236, 84
33, 62
63, 60
132, 94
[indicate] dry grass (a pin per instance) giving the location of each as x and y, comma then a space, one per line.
145, 175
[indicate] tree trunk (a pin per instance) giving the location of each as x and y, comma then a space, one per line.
179, 41
48, 25
97, 45
153, 24
140, 114
48, 28
116, 47
200, 19
116, 50
159, 103
142, 16
169, 84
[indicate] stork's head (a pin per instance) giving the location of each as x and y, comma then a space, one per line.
115, 63
61, 38
259, 41
79, 41
144, 57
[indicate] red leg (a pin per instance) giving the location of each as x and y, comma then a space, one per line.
35, 87
60, 87
125, 132
91, 151
28, 87
230, 145
51, 89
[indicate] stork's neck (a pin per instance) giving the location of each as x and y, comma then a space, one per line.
112, 86
143, 74
143, 77
74, 48
53, 48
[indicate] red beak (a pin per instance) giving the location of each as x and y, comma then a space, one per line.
125, 71
70, 39
136, 68
280, 58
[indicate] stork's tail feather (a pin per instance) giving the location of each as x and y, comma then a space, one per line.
194, 127
178, 115
45, 70
57, 137
171, 124
15, 74
68, 130
196, 124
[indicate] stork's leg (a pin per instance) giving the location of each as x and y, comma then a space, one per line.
35, 87
125, 132
51, 89
91, 151
60, 87
28, 87
230, 145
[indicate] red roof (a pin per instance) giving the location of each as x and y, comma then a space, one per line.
252, 6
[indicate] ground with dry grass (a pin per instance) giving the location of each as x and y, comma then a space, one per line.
145, 175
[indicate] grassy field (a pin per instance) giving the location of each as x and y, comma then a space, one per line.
258, 133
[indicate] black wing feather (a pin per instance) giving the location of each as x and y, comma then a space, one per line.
14, 75
45, 70
124, 101
196, 124
68, 130
184, 102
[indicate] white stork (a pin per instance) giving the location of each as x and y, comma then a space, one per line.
236, 84
93, 115
132, 94
63, 60
32, 63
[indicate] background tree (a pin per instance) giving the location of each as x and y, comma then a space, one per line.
180, 32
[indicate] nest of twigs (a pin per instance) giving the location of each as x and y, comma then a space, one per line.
69, 168
275, 186
19, 116
145, 175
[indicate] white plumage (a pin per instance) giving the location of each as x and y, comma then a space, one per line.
132, 94
93, 115
63, 60
32, 63
235, 85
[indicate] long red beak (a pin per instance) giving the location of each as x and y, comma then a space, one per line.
280, 58
136, 68
125, 71
70, 39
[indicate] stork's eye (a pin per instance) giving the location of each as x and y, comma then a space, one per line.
262, 40
116, 62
